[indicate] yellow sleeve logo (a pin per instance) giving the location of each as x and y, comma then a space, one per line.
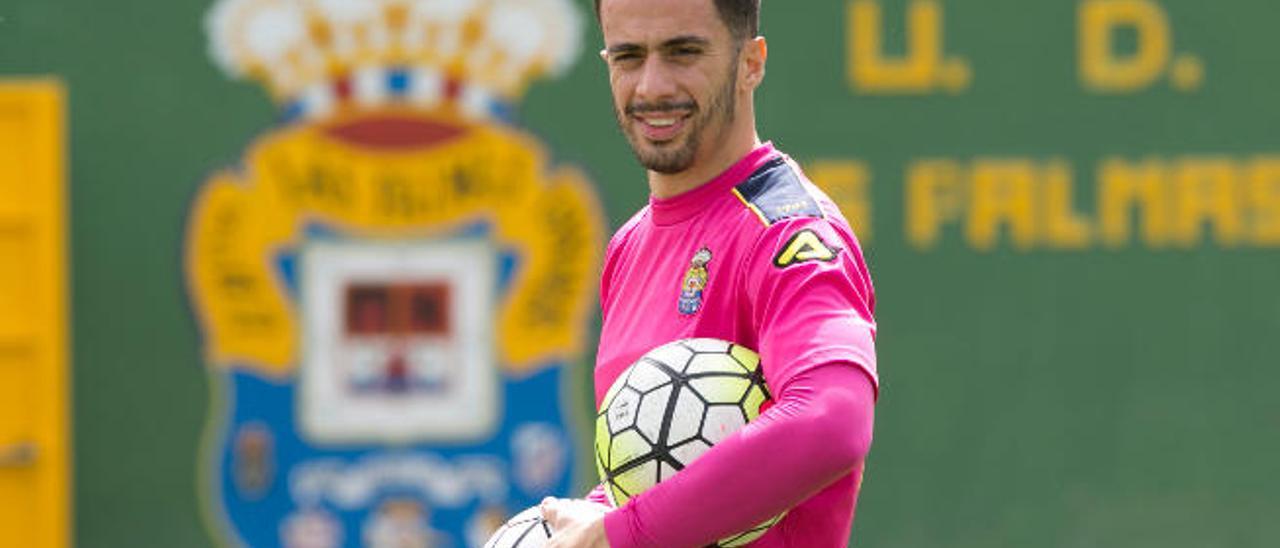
803, 247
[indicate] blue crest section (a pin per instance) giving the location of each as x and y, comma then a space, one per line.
258, 516
690, 301
272, 482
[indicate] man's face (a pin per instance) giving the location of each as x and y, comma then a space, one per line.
673, 70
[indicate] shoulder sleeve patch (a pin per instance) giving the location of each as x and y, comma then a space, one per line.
775, 193
805, 246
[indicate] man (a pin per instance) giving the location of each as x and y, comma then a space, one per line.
735, 244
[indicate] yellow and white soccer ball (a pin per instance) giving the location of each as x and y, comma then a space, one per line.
670, 407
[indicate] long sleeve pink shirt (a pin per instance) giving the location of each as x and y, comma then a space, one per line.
760, 257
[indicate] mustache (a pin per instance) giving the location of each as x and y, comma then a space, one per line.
639, 108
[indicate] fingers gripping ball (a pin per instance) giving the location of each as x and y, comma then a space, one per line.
526, 530
670, 407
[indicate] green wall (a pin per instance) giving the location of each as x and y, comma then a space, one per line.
1114, 395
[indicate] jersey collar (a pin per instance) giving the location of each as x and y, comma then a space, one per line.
677, 209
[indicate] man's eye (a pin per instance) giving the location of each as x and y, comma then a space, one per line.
686, 52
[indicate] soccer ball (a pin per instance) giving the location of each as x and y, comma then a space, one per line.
670, 407
526, 530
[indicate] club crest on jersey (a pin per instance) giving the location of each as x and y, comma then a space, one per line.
695, 283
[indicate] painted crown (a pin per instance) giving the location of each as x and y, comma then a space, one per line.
316, 56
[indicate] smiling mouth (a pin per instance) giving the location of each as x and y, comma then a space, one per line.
661, 127
665, 121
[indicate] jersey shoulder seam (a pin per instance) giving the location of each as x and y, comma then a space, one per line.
775, 193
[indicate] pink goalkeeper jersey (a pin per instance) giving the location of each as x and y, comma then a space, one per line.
760, 257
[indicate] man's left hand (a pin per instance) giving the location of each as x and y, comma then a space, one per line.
575, 523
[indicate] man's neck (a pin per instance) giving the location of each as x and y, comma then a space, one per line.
664, 185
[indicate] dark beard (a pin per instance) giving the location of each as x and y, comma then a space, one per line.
719, 110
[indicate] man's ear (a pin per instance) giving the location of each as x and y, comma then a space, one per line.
754, 54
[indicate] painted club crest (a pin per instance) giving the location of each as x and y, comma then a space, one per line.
694, 283
393, 281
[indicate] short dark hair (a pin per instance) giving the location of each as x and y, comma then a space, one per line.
741, 16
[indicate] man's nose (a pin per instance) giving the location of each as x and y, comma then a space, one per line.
657, 81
